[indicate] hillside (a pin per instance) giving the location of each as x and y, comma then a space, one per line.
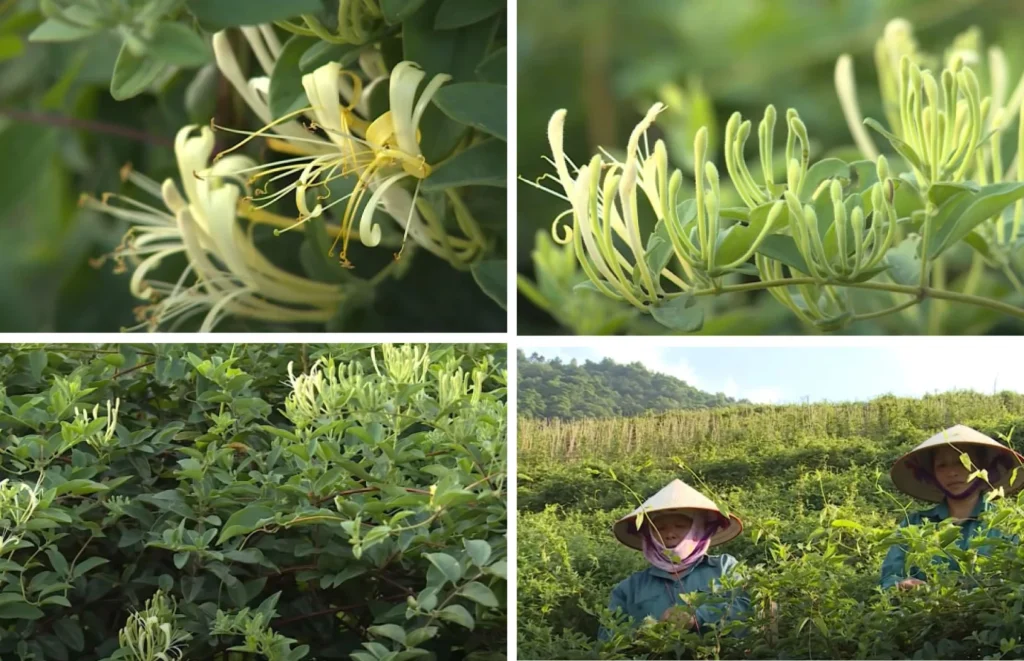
553, 389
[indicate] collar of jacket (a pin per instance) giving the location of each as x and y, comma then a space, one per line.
941, 511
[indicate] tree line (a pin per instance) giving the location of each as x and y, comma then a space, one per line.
553, 388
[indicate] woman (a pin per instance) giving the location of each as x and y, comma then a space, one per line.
933, 472
676, 528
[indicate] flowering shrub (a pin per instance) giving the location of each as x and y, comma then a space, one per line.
289, 502
819, 514
834, 240
381, 128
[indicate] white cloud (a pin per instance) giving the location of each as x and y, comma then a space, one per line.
975, 367
763, 395
731, 388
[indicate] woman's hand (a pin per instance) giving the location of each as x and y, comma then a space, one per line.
679, 616
909, 583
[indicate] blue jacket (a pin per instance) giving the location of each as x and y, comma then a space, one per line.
651, 591
894, 566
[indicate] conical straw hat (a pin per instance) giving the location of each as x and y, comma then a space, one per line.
684, 499
960, 435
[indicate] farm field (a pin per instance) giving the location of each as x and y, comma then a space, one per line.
811, 485
252, 502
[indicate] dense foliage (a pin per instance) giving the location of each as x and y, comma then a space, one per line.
253, 165
556, 389
287, 502
811, 485
803, 221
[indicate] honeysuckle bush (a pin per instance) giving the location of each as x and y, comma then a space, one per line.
329, 145
819, 514
279, 502
836, 239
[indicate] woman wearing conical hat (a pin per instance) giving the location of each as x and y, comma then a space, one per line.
678, 525
934, 472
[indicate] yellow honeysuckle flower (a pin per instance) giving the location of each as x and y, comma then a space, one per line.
231, 276
382, 152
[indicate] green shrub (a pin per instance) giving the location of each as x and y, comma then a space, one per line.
819, 513
288, 502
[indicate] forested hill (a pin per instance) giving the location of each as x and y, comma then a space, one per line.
556, 389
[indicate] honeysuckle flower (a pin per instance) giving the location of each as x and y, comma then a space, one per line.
599, 209
152, 634
896, 55
855, 241
381, 152
18, 501
230, 276
694, 231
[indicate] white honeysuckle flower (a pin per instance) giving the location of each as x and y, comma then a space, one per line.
231, 276
601, 208
898, 44
382, 152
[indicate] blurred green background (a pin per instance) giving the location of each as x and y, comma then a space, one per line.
62, 135
606, 61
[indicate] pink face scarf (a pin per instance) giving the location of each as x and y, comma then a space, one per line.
689, 551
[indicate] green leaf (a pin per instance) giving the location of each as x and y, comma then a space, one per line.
19, 610
972, 209
905, 150
57, 561
904, 261
499, 568
659, 250
244, 521
454, 52
80, 487
11, 46
492, 277
448, 565
396, 11
392, 631
494, 67
220, 14
56, 29
828, 168
459, 13
286, 91
323, 52
479, 551
846, 523
483, 164
419, 636
480, 593
738, 238
681, 313
480, 105
70, 633
783, 249
83, 567
458, 615
176, 44
133, 74
37, 363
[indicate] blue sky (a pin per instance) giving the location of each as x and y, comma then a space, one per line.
822, 373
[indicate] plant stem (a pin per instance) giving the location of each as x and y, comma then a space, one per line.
919, 292
885, 311
1012, 277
